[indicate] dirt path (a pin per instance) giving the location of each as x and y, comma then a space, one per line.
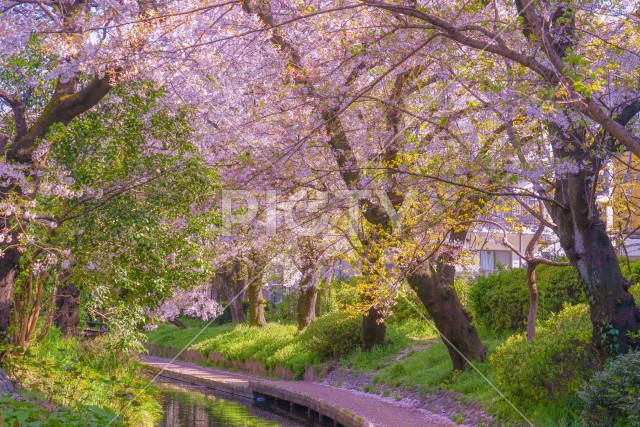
378, 411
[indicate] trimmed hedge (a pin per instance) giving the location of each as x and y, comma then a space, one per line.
500, 301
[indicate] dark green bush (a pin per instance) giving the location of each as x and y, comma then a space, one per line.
551, 367
225, 317
333, 335
612, 397
500, 301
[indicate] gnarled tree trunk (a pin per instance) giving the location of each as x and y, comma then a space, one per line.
237, 312
584, 238
436, 291
234, 290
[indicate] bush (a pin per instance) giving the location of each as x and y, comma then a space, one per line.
612, 396
552, 366
333, 335
500, 301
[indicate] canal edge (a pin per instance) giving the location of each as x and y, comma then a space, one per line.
294, 402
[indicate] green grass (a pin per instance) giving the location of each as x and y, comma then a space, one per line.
400, 336
193, 322
370, 388
427, 369
172, 336
273, 345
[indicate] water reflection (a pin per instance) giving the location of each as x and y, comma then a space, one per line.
188, 406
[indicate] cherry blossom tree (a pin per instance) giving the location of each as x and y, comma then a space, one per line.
444, 106
331, 117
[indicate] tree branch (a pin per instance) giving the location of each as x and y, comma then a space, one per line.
62, 108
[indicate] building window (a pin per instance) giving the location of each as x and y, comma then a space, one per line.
491, 261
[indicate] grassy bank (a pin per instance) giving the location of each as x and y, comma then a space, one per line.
281, 344
79, 383
275, 344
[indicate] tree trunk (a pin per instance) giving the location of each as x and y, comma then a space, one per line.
237, 313
68, 303
533, 300
256, 305
179, 323
436, 292
308, 298
8, 270
373, 329
235, 291
584, 238
235, 297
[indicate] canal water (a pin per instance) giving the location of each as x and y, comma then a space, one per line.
192, 406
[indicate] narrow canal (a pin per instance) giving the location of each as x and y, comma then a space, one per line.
193, 406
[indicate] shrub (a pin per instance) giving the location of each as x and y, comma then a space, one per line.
333, 335
553, 365
612, 396
500, 301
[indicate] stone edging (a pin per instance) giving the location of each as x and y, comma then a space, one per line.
339, 415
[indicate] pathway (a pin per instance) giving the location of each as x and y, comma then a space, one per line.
378, 411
